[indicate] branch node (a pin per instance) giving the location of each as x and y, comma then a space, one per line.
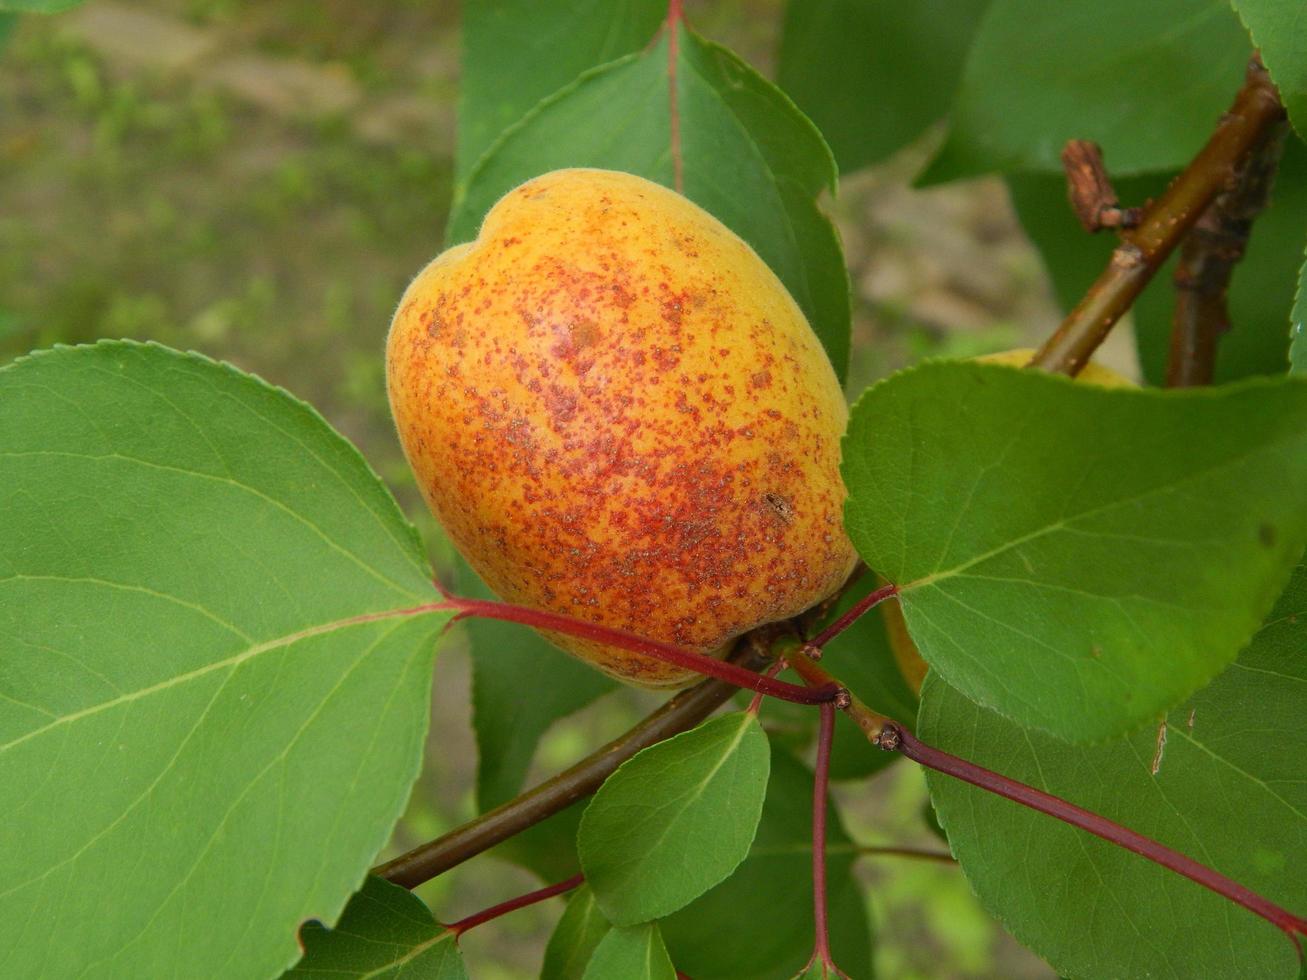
889, 739
1164, 223
1089, 189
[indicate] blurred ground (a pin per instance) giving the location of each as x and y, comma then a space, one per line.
259, 182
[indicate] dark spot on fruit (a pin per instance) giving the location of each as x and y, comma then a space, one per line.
780, 507
1266, 534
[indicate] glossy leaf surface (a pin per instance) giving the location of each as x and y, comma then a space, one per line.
1227, 790
675, 819
1079, 559
199, 583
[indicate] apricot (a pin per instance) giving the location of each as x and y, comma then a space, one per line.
617, 412
906, 655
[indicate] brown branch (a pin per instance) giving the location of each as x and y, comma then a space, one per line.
682, 712
1165, 223
1207, 260
1090, 191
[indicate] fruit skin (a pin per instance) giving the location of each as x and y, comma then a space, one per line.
618, 412
906, 655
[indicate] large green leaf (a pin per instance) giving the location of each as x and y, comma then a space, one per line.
209, 718
675, 819
385, 932
634, 953
574, 939
516, 52
1261, 289
747, 156
1228, 791
1145, 80
757, 924
521, 684
1079, 559
1279, 30
873, 74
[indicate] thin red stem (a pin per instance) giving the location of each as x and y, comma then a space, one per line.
674, 16
513, 904
903, 741
820, 785
776, 667
855, 612
665, 652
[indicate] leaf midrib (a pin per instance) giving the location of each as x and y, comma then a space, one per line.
235, 660
1063, 522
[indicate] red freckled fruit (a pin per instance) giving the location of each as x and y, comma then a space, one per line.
557, 436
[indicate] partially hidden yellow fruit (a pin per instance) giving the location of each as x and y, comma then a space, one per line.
906, 655
618, 412
1092, 373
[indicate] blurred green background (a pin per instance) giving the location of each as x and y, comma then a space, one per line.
259, 181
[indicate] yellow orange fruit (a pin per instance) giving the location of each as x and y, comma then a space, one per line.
618, 412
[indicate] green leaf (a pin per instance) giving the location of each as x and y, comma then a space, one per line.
1147, 81
521, 684
7, 22
748, 157
757, 924
574, 939
1279, 31
1261, 289
1298, 346
1228, 792
516, 52
873, 74
209, 717
1078, 558
39, 6
675, 819
634, 953
385, 932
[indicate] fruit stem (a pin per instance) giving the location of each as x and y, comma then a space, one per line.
513, 904
854, 613
656, 649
